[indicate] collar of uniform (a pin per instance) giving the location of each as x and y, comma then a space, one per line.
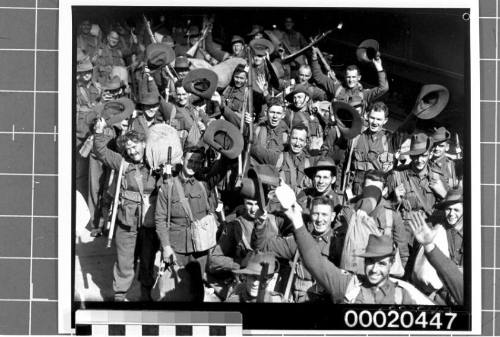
329, 192
452, 228
323, 236
185, 180
300, 157
386, 288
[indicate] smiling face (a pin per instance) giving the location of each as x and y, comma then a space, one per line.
322, 217
135, 150
274, 115
240, 79
237, 48
304, 75
352, 78
323, 179
300, 99
419, 162
182, 96
454, 213
258, 60
85, 27
113, 39
440, 149
251, 207
298, 140
376, 120
150, 111
377, 270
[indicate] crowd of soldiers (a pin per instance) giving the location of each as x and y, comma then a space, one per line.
375, 216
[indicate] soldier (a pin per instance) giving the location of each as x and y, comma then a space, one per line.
439, 161
186, 199
299, 111
151, 111
88, 43
414, 186
323, 176
323, 229
233, 97
293, 40
181, 66
374, 148
353, 93
135, 221
249, 289
304, 76
290, 163
373, 287
108, 56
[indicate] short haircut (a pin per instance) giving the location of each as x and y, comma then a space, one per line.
380, 106
178, 84
240, 68
352, 67
274, 101
324, 200
305, 67
376, 175
134, 136
299, 127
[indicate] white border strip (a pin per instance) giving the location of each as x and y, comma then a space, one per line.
65, 132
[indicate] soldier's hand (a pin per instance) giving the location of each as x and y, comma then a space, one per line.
99, 126
422, 232
399, 192
216, 98
248, 118
201, 126
169, 254
437, 185
294, 213
261, 82
377, 61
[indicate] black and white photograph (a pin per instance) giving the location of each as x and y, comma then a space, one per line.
309, 166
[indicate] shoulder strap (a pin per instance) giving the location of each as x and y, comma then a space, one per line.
182, 197
419, 196
205, 195
279, 162
385, 143
398, 295
337, 92
172, 114
293, 171
170, 187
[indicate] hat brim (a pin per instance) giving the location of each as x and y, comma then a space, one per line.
269, 47
377, 255
435, 109
348, 132
232, 132
444, 204
259, 188
197, 75
311, 171
128, 109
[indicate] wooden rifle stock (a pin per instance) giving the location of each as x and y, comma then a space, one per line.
262, 282
115, 204
148, 29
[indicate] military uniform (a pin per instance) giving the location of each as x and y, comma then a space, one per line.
305, 288
107, 57
306, 196
345, 287
445, 167
135, 220
358, 94
233, 100
273, 139
371, 152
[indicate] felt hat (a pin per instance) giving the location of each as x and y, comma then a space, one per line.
149, 96
322, 164
420, 143
168, 40
224, 137
255, 263
379, 246
299, 88
431, 100
252, 186
453, 196
440, 135
159, 55
367, 50
261, 46
113, 111
369, 191
225, 70
255, 30
201, 82
237, 38
273, 38
112, 84
181, 62
348, 119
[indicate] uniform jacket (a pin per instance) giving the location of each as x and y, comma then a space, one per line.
336, 281
137, 182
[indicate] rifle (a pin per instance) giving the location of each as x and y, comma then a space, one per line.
115, 204
262, 282
347, 172
325, 64
192, 51
313, 42
291, 276
246, 162
148, 29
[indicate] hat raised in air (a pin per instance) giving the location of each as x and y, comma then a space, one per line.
201, 82
431, 100
367, 50
348, 119
224, 137
159, 55
253, 186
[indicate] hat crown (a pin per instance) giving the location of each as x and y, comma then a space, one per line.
455, 194
441, 134
420, 142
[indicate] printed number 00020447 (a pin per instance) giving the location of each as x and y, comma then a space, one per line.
397, 320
